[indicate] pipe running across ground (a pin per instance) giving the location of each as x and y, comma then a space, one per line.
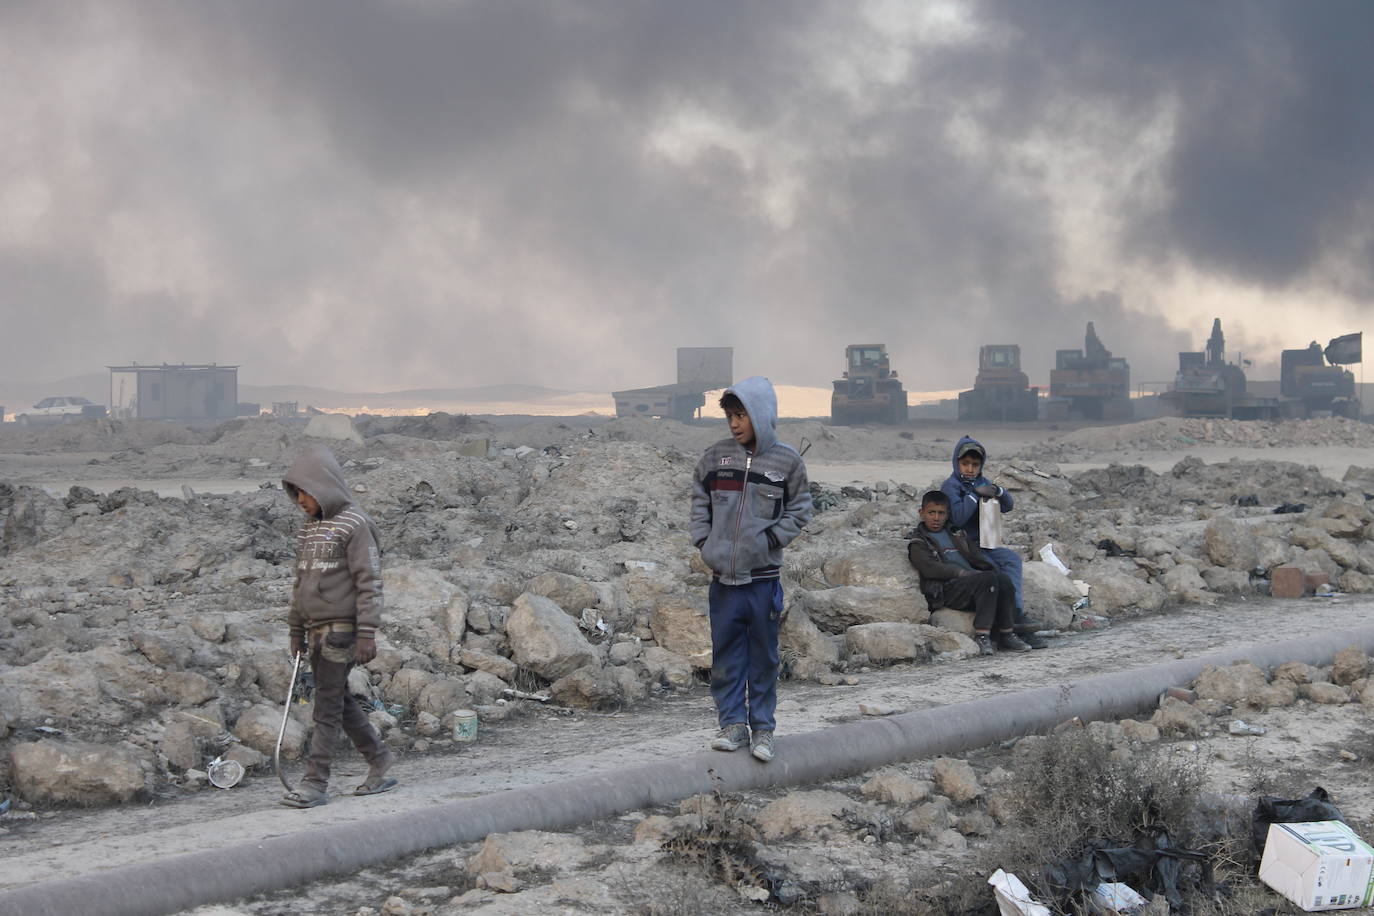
221, 875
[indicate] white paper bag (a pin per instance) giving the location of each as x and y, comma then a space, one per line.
989, 523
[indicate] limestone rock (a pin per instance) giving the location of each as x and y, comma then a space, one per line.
664, 667
407, 684
257, 727
1175, 717
896, 788
442, 696
802, 636
498, 665
1184, 584
76, 772
568, 592
425, 607
589, 687
884, 567
887, 642
1230, 544
527, 850
682, 626
1230, 684
1333, 694
1299, 673
188, 688
546, 640
796, 812
950, 619
1049, 594
1116, 591
1349, 666
835, 609
929, 819
956, 779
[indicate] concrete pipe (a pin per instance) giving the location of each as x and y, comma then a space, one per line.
182, 882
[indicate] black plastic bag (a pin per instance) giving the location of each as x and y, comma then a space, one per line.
1316, 806
1152, 864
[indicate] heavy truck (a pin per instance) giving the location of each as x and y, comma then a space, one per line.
1089, 384
869, 390
1208, 386
1310, 388
1001, 391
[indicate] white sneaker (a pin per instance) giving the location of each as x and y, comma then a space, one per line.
761, 745
731, 737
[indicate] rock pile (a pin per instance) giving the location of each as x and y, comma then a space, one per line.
555, 562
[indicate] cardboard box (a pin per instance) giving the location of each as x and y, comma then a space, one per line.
1319, 865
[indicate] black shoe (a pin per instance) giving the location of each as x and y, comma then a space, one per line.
1032, 639
1010, 642
984, 642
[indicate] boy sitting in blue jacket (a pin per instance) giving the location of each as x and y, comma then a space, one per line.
966, 487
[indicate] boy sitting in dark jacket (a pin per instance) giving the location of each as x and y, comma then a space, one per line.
955, 574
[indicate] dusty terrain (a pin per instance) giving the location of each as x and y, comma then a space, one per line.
170, 528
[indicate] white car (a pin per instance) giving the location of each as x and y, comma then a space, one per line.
60, 410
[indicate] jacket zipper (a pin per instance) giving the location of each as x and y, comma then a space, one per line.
739, 515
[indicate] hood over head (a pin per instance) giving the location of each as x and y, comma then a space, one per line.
964, 446
317, 472
757, 395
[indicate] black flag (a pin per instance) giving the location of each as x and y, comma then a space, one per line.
1344, 349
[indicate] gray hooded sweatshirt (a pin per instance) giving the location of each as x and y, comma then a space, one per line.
338, 554
748, 504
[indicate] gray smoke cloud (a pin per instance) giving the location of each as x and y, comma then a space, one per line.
417, 193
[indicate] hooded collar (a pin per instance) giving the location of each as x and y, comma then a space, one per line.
757, 395
317, 472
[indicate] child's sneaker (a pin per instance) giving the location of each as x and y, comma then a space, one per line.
731, 737
761, 746
1010, 642
984, 642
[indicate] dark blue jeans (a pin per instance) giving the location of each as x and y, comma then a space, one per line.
1008, 562
744, 652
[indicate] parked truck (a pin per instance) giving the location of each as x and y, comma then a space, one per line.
1208, 386
1089, 384
1001, 391
1311, 388
869, 390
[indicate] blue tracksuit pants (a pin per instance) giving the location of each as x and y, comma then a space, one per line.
1008, 562
744, 652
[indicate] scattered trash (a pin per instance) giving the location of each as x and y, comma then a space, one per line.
876, 709
1290, 508
1013, 897
1049, 556
1116, 897
225, 774
1243, 729
1319, 865
1270, 809
523, 695
1249, 500
5, 805
1325, 590
591, 621
1152, 862
48, 730
1113, 549
1081, 604
464, 725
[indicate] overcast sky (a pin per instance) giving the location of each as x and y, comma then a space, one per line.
418, 193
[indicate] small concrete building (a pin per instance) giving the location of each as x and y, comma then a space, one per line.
174, 392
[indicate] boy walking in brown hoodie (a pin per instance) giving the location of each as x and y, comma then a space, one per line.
336, 607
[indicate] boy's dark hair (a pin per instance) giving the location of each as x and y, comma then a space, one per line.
728, 401
934, 497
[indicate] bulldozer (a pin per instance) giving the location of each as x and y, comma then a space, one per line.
1311, 388
1001, 392
1208, 386
869, 390
1089, 384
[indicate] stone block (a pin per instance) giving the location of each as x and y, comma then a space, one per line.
1287, 582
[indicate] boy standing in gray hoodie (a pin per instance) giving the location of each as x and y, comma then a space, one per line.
336, 607
750, 499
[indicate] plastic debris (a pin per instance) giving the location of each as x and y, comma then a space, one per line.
1049, 556
1013, 897
1118, 897
1243, 729
1270, 809
225, 774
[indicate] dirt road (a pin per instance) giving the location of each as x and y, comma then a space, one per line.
544, 745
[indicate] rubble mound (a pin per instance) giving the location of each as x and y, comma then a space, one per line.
1178, 434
